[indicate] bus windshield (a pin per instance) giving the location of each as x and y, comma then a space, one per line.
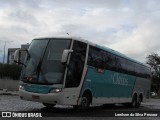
44, 66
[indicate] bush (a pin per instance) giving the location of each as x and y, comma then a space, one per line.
11, 71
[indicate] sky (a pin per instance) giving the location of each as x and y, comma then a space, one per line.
128, 26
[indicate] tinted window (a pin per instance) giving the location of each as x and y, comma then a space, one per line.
130, 67
138, 70
121, 64
102, 59
95, 57
110, 61
148, 72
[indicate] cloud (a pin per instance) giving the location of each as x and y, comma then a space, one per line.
143, 41
130, 27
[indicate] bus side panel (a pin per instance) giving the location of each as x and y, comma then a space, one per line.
142, 86
108, 84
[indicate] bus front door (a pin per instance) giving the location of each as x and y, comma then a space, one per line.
74, 72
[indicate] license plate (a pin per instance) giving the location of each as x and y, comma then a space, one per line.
35, 97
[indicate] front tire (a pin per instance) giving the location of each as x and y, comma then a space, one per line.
85, 103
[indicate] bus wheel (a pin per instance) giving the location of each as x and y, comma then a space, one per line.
133, 104
139, 100
48, 105
85, 103
134, 101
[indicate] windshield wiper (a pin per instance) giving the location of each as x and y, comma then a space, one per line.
39, 67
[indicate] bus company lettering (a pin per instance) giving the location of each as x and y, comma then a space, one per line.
120, 79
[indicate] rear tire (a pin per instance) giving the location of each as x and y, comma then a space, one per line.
139, 100
133, 104
134, 101
48, 105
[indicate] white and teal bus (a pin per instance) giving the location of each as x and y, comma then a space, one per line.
72, 71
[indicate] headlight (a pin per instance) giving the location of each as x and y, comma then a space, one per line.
57, 90
21, 87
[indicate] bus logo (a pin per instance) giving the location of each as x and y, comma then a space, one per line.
120, 79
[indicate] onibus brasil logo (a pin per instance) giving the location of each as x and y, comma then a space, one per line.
18, 114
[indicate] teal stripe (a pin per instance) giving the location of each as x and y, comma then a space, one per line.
109, 83
37, 88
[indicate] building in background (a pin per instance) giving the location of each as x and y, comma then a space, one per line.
11, 51
10, 56
25, 46
23, 53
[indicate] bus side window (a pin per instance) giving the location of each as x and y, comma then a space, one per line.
143, 71
138, 70
111, 63
105, 59
118, 64
148, 73
121, 65
101, 59
130, 68
95, 58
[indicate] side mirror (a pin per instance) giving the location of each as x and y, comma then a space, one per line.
65, 55
16, 56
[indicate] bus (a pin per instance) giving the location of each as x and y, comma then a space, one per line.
76, 72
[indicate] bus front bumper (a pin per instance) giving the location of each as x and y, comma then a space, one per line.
52, 98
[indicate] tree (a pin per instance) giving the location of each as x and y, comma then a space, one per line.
11, 71
153, 60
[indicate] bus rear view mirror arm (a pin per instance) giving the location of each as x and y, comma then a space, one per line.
65, 55
20, 63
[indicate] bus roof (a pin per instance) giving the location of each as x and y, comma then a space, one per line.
112, 51
96, 45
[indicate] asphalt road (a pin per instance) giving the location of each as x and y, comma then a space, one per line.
15, 104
